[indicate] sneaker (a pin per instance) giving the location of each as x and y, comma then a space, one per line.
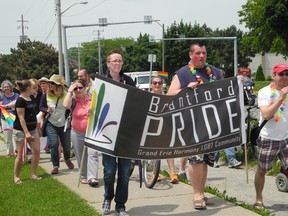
216, 165
174, 179
183, 175
69, 164
121, 212
234, 164
106, 207
55, 171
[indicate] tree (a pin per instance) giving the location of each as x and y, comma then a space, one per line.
266, 23
30, 60
259, 74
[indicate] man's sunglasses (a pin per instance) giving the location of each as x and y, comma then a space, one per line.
283, 73
78, 87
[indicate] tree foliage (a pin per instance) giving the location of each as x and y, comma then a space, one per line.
35, 59
30, 60
266, 21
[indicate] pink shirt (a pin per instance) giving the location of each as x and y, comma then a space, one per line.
79, 115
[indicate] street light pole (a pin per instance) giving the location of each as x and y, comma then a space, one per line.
60, 50
149, 20
60, 58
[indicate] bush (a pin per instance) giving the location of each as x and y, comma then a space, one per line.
259, 74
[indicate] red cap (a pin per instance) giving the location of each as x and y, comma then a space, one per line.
278, 68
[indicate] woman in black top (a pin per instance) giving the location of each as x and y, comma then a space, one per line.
25, 128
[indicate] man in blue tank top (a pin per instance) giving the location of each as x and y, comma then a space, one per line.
197, 72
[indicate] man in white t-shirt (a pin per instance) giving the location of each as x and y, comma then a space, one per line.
273, 139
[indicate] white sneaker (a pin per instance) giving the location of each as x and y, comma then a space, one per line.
234, 164
216, 165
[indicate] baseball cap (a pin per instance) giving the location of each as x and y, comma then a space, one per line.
278, 68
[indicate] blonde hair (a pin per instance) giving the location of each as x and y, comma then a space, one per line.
58, 92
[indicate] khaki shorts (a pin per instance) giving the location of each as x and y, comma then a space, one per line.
19, 135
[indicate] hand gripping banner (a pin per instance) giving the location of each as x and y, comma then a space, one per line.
131, 123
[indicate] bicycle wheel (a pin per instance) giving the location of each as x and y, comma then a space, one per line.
151, 169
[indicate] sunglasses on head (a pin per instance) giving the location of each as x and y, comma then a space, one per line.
283, 73
155, 83
78, 87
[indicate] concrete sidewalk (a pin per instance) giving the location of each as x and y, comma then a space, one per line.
163, 199
168, 199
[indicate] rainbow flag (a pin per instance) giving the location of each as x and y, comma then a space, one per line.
163, 74
9, 117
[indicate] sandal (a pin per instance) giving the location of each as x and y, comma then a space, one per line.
84, 181
17, 181
34, 177
259, 205
202, 205
208, 201
93, 182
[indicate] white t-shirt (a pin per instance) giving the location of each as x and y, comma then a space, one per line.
273, 130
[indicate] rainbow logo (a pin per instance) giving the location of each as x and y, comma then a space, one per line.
97, 120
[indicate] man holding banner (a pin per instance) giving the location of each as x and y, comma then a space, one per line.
197, 72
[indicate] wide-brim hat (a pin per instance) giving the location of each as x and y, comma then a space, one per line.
57, 79
43, 79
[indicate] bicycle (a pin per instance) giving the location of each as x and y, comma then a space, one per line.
150, 170
251, 121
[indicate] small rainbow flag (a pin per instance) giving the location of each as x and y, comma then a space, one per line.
163, 74
9, 117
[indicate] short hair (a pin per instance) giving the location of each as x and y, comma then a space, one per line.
196, 44
156, 77
8, 83
113, 51
81, 82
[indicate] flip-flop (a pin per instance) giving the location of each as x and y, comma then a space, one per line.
84, 181
34, 177
199, 207
259, 205
17, 181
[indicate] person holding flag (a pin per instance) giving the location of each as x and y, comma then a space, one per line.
8, 103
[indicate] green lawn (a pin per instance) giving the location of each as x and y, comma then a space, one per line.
45, 197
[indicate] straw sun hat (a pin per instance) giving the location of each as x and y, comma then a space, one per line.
57, 79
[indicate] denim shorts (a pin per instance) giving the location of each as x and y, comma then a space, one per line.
19, 135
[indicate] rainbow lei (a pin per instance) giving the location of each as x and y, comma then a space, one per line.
279, 112
208, 71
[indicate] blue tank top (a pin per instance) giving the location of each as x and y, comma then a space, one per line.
185, 76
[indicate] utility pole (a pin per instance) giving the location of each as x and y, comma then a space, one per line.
60, 52
99, 54
23, 37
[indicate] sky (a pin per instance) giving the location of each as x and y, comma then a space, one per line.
41, 22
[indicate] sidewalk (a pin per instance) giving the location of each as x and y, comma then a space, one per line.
168, 199
163, 199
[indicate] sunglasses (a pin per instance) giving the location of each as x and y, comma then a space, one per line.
282, 74
78, 87
155, 83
